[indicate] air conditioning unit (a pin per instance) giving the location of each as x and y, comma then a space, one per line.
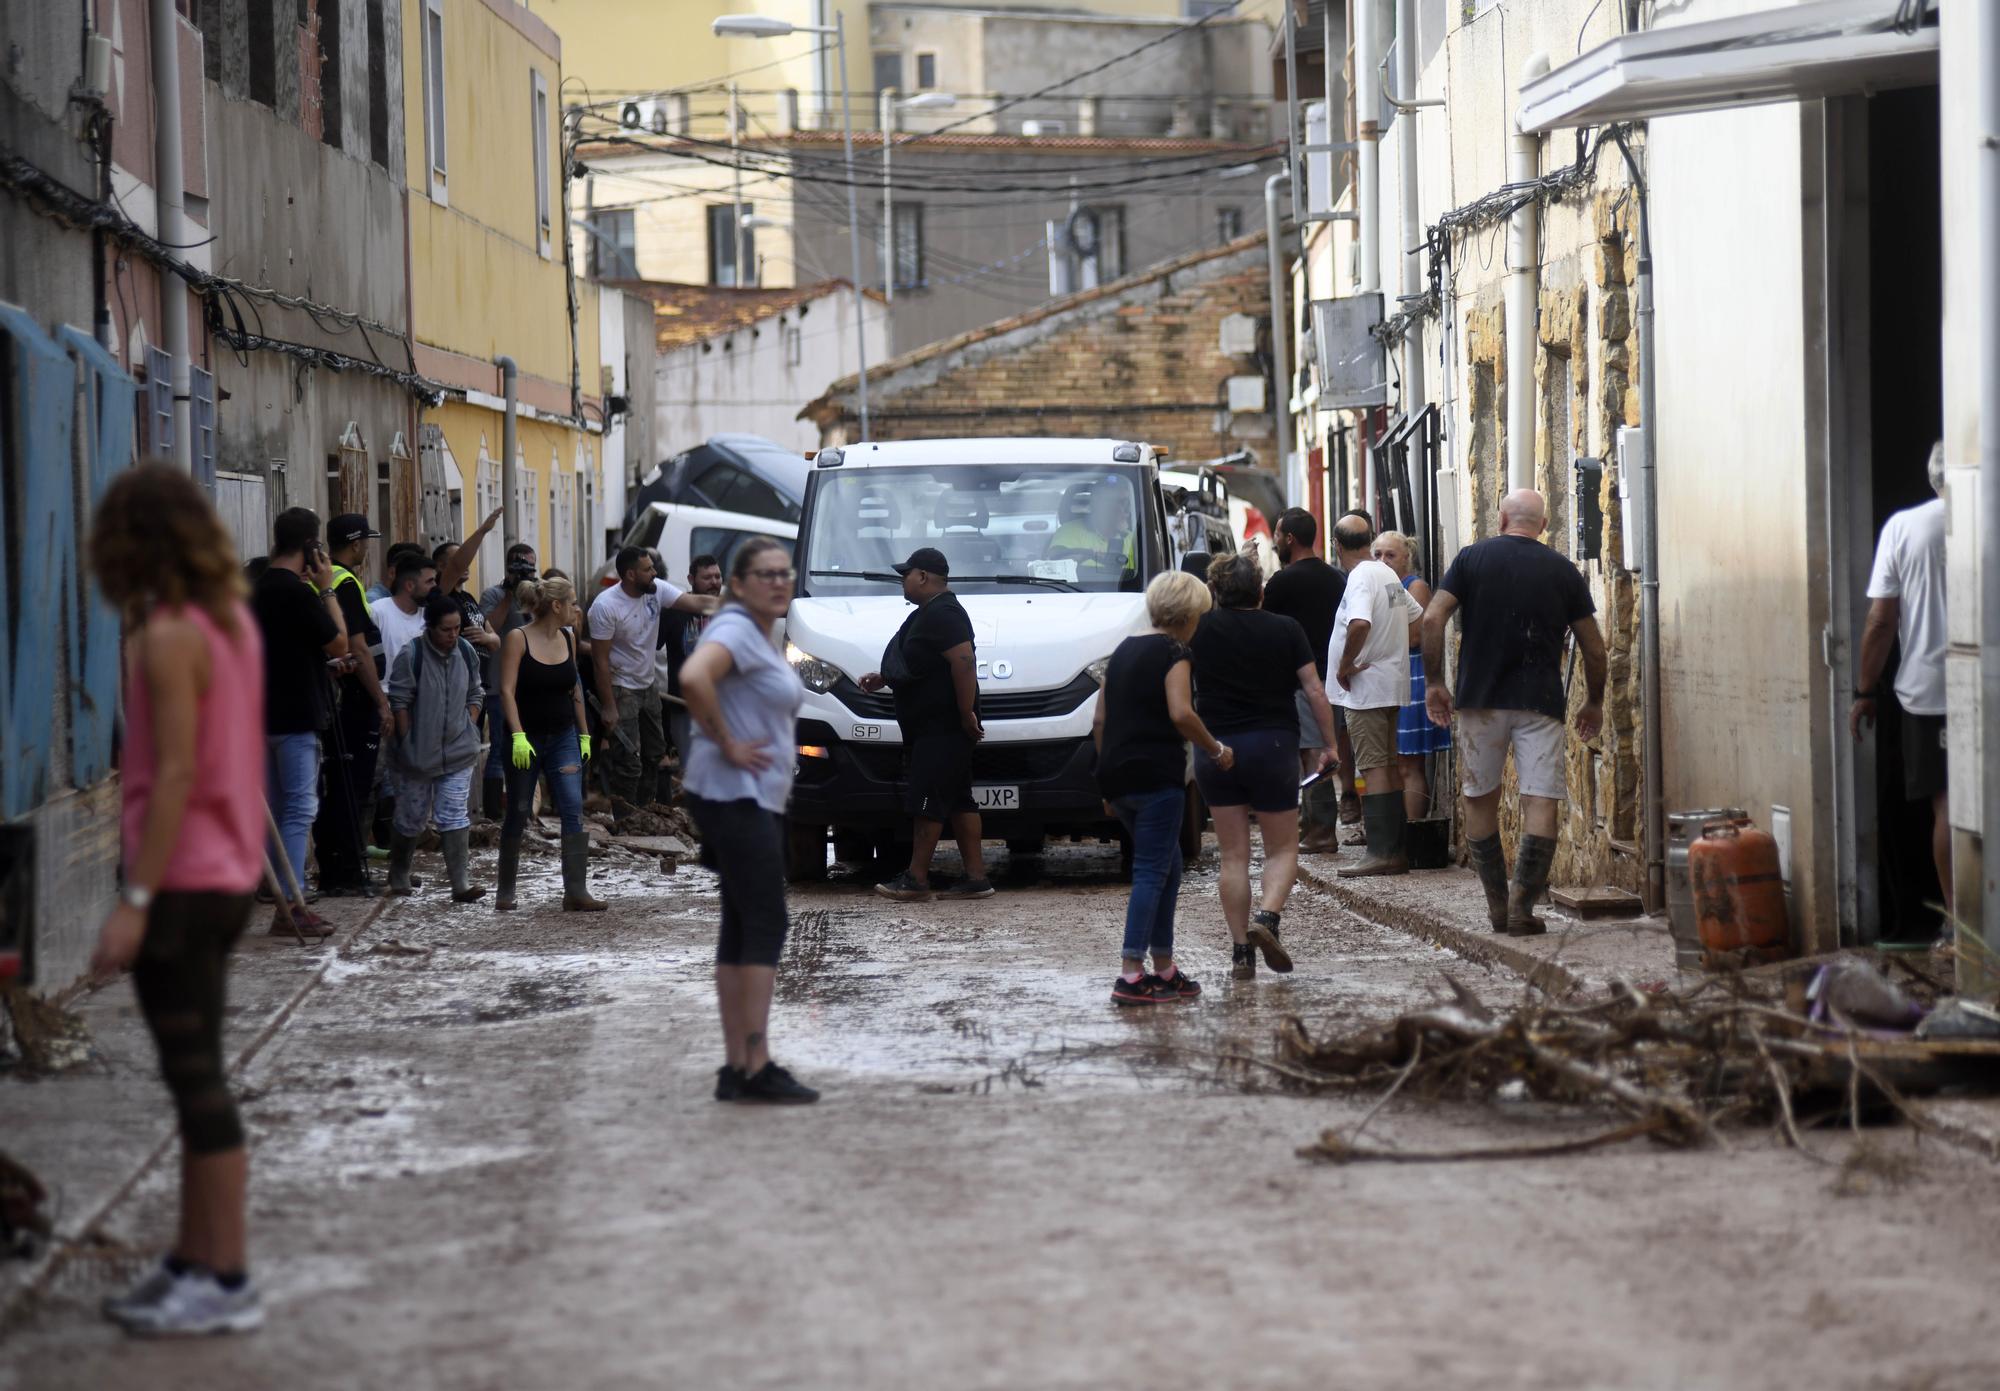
649, 114
1033, 128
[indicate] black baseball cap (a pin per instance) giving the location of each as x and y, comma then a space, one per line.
928, 558
348, 528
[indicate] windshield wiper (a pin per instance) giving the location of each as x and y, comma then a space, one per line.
1050, 580
881, 575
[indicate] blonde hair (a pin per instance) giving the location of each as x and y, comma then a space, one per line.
539, 596
1409, 551
1176, 597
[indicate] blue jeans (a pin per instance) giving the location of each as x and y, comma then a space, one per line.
443, 800
1153, 819
291, 785
561, 759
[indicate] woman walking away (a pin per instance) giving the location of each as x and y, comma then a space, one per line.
1248, 664
542, 700
193, 825
1145, 718
1416, 736
435, 692
744, 699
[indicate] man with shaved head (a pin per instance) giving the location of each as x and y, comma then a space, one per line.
1515, 598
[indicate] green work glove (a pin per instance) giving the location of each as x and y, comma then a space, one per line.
524, 752
584, 740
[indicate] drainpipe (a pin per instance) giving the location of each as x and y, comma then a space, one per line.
1367, 150
169, 181
1524, 283
1410, 231
510, 524
1987, 128
1281, 337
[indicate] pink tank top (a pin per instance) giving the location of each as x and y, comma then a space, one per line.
221, 845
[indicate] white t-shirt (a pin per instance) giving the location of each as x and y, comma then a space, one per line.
1375, 595
760, 699
1909, 565
398, 628
633, 628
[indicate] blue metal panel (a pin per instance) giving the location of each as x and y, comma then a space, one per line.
109, 395
201, 422
41, 388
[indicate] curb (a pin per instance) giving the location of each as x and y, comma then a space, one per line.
1487, 949
62, 1246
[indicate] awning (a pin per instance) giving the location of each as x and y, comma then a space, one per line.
1794, 53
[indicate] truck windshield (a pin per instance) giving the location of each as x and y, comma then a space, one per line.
1001, 527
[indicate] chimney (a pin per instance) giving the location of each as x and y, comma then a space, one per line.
1089, 111
788, 111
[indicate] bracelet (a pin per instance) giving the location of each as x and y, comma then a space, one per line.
1860, 694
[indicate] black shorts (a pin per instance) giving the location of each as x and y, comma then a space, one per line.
939, 782
1265, 776
1923, 756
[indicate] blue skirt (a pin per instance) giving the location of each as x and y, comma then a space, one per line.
1415, 734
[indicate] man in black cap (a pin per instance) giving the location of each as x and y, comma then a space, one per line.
930, 668
354, 738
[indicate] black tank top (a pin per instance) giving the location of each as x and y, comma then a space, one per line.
542, 691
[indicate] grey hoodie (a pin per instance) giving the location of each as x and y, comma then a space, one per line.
441, 739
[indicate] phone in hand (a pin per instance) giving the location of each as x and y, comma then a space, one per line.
1310, 778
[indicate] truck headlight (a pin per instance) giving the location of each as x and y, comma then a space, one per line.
818, 676
1095, 671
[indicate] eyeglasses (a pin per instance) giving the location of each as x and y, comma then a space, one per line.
785, 576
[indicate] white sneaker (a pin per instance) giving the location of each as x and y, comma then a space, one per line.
149, 1291
196, 1304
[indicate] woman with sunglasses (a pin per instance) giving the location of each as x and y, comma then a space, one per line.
743, 698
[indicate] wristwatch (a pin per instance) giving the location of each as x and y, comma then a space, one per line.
136, 896
1863, 695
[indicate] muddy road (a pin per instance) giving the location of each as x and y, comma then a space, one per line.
485, 1157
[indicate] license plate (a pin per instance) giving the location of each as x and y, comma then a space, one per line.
997, 798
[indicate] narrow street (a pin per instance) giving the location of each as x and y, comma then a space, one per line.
484, 1156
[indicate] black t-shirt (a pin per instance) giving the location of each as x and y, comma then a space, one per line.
1516, 599
926, 698
1308, 590
679, 632
1246, 668
1142, 752
296, 629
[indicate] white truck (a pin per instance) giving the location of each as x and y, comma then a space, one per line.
1051, 543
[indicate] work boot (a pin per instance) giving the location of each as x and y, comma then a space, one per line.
576, 875
457, 847
510, 866
1385, 818
1489, 860
1263, 936
402, 849
1531, 878
1243, 961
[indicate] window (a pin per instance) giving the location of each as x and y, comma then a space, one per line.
261, 37
562, 519
1202, 9
1087, 249
795, 347
726, 234
378, 85
926, 71
721, 543
487, 496
1228, 224
909, 248
731, 489
888, 70
201, 424
538, 105
156, 404
613, 253
434, 142
528, 502
329, 72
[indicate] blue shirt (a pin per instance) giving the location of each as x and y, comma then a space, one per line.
760, 700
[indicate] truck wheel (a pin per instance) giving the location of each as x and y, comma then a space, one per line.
805, 853
1192, 821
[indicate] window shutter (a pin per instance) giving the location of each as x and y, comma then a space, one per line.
201, 419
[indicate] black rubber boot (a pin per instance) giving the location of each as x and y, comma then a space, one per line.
510, 867
1531, 877
402, 849
576, 875
1263, 936
1489, 861
1383, 814
457, 851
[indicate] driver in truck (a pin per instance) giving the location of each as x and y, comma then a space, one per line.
1104, 540
930, 668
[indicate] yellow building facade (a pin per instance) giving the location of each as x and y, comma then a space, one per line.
488, 279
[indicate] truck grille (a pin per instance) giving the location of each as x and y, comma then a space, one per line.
1002, 705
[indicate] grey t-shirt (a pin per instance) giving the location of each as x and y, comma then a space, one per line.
760, 700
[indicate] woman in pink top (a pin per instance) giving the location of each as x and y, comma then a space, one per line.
193, 774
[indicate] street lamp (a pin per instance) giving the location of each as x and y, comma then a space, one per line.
889, 104
756, 26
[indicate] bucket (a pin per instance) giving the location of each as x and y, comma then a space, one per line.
1427, 843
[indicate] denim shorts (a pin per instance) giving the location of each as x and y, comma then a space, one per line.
1266, 775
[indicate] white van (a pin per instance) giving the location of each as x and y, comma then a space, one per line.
1044, 628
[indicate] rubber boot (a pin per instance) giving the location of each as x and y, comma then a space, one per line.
510, 866
1531, 877
576, 875
402, 849
1263, 936
457, 850
1383, 814
1489, 860
1317, 830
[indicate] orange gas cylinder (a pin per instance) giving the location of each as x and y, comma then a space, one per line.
1739, 893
